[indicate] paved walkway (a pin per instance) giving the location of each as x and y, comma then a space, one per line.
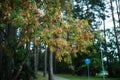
59, 78
55, 77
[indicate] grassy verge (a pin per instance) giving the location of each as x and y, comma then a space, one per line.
71, 77
41, 78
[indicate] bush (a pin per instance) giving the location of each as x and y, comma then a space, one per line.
114, 70
62, 67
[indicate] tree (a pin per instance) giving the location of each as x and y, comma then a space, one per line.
52, 23
115, 31
118, 10
45, 61
16, 24
91, 10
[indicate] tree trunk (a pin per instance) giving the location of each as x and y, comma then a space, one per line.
22, 63
28, 49
45, 62
26, 59
50, 72
118, 10
54, 64
115, 31
36, 56
35, 60
1, 54
9, 59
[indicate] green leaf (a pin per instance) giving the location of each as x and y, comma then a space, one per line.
2, 25
13, 15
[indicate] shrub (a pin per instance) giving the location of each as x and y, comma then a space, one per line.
114, 70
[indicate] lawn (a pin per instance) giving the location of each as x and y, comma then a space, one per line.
71, 77
41, 78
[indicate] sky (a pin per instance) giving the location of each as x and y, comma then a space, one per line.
108, 21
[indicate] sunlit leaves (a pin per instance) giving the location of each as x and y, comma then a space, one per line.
51, 24
63, 55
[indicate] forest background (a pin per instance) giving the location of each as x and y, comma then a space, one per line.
57, 36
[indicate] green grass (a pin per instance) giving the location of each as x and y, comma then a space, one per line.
41, 78
71, 77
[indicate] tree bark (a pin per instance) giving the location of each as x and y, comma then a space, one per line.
9, 59
28, 49
35, 60
36, 57
1, 54
50, 72
45, 62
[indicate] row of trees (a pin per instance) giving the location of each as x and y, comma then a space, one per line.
109, 37
33, 29
27, 24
